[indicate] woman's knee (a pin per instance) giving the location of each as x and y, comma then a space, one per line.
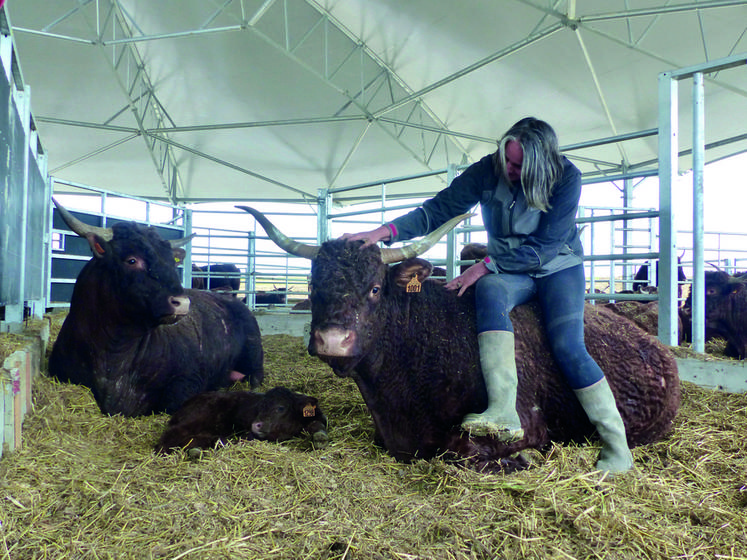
567, 347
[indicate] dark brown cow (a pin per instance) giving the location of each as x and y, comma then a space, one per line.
645, 314
277, 415
472, 252
725, 311
140, 341
221, 277
278, 296
411, 347
642, 281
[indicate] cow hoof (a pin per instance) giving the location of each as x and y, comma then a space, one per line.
320, 439
194, 453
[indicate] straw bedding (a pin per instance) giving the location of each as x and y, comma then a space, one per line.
88, 486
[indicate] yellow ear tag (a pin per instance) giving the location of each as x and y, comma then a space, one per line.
308, 410
413, 286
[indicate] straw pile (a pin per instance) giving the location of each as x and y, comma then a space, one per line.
9, 343
87, 486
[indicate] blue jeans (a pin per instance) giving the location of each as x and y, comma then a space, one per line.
561, 298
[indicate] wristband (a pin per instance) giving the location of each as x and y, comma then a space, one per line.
393, 229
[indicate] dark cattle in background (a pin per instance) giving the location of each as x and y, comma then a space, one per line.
304, 305
140, 341
222, 277
198, 282
725, 311
642, 280
277, 296
277, 415
645, 314
414, 357
472, 252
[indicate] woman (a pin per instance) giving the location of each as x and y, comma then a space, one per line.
529, 194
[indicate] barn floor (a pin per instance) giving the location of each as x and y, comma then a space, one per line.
88, 486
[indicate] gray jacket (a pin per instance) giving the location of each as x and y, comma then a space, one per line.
520, 239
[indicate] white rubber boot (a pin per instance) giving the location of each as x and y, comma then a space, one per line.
498, 363
599, 404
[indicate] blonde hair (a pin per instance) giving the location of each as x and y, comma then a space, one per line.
542, 166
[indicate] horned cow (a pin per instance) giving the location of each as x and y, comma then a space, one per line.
140, 341
725, 311
410, 345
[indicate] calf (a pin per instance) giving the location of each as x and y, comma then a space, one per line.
277, 415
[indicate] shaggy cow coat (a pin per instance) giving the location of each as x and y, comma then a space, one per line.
414, 357
725, 311
142, 343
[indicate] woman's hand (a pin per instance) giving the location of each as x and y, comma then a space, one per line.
381, 233
470, 276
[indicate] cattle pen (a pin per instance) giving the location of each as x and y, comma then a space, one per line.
79, 484
85, 485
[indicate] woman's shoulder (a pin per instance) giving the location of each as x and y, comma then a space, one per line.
571, 174
569, 167
484, 169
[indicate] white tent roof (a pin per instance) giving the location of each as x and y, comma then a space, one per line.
274, 99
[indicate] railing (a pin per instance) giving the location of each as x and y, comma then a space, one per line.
24, 185
68, 254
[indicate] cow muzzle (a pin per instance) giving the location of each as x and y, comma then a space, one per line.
179, 306
335, 342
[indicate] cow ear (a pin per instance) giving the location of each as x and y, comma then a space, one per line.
179, 254
410, 271
97, 243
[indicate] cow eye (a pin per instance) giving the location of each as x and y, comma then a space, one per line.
134, 262
375, 290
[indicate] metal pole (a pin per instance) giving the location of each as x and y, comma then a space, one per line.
668, 163
451, 239
251, 270
324, 201
187, 273
698, 285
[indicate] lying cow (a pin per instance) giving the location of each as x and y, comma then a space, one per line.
725, 311
140, 341
277, 415
645, 314
410, 345
642, 281
472, 252
278, 296
220, 277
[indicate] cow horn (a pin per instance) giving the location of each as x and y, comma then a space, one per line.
176, 243
281, 240
419, 247
82, 229
387, 255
